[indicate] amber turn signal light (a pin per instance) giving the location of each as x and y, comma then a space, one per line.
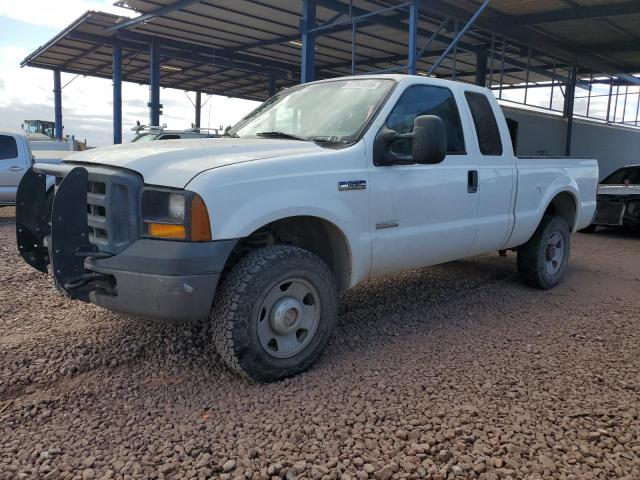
200, 226
165, 230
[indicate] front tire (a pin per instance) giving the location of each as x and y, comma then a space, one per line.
542, 261
274, 313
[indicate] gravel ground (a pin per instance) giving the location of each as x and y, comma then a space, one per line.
454, 371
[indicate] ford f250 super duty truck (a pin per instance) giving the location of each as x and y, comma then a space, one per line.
323, 186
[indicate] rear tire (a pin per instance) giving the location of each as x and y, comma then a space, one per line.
274, 313
542, 261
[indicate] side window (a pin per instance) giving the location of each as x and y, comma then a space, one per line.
169, 137
485, 122
8, 147
428, 100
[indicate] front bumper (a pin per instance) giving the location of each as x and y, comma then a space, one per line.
161, 279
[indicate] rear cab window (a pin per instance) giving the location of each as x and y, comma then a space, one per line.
8, 147
484, 119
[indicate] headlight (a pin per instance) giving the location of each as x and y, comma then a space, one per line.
633, 207
175, 215
176, 206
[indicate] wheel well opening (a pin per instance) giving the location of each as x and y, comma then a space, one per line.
563, 205
313, 234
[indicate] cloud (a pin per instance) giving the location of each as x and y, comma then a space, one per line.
87, 102
52, 14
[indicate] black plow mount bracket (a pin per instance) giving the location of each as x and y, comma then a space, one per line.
64, 242
32, 219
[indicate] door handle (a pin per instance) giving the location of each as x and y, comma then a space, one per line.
472, 181
15, 168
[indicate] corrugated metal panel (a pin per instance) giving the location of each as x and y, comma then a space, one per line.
234, 27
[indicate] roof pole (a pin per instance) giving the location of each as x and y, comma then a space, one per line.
273, 89
198, 106
481, 69
413, 38
458, 36
116, 54
154, 84
569, 98
308, 22
57, 99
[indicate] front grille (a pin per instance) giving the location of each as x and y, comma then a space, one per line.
113, 197
609, 213
97, 213
112, 206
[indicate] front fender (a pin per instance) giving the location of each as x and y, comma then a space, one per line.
243, 198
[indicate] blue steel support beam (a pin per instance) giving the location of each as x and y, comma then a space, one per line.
481, 69
413, 38
460, 34
57, 99
154, 83
172, 7
117, 92
198, 106
273, 89
308, 22
569, 101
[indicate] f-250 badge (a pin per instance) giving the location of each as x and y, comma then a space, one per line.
352, 185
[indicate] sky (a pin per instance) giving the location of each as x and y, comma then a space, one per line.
27, 93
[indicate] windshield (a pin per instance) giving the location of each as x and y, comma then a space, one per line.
145, 137
336, 111
622, 176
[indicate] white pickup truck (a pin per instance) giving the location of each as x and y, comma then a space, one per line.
323, 186
16, 157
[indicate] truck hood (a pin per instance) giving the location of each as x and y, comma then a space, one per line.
618, 190
174, 163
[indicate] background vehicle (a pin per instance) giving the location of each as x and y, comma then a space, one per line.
40, 134
16, 157
618, 200
321, 187
146, 134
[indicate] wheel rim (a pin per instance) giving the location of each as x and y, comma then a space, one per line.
554, 254
288, 317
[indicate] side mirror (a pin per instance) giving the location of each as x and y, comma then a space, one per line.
427, 144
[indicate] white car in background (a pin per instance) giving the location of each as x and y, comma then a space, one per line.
149, 134
16, 157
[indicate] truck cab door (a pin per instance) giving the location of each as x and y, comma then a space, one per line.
423, 214
496, 173
12, 168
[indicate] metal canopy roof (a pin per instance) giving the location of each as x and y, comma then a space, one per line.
237, 47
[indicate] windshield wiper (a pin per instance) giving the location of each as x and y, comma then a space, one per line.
288, 136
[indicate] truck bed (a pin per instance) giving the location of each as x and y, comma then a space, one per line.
540, 178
